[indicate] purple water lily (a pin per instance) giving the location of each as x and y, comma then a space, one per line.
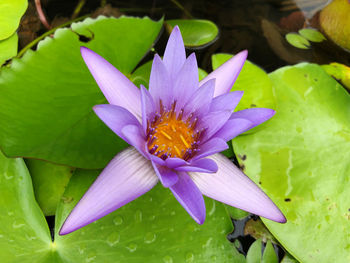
177, 130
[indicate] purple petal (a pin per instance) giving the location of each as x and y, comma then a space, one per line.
159, 82
186, 82
128, 176
211, 147
133, 135
174, 55
201, 165
233, 128
231, 186
254, 115
199, 102
174, 162
147, 106
212, 122
189, 196
227, 73
227, 101
116, 117
166, 176
117, 88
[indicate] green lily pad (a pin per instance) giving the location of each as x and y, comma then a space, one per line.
153, 228
312, 34
254, 82
297, 41
254, 252
8, 48
300, 159
47, 96
11, 12
195, 32
23, 228
49, 181
269, 255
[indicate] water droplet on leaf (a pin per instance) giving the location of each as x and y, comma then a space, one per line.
113, 239
150, 237
118, 220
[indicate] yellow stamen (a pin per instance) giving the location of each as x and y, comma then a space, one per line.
184, 141
177, 151
166, 135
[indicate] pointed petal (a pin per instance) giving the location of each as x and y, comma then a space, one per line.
159, 83
128, 176
117, 88
116, 117
200, 100
213, 122
214, 145
201, 165
255, 115
231, 186
227, 73
189, 196
233, 128
166, 176
186, 82
147, 106
174, 55
227, 101
134, 136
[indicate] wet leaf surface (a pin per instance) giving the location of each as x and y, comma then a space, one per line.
300, 159
47, 96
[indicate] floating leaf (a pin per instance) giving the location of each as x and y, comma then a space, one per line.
254, 252
297, 41
49, 181
153, 228
47, 96
340, 72
335, 22
269, 255
195, 32
300, 159
11, 12
312, 34
24, 234
8, 48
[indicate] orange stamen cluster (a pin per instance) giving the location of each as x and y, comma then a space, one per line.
171, 135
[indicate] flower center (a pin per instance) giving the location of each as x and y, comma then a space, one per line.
172, 135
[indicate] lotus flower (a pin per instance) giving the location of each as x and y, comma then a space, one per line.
176, 129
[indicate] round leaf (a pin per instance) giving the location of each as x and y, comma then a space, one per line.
11, 12
47, 96
312, 34
49, 181
24, 235
8, 48
297, 41
153, 228
301, 159
195, 32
